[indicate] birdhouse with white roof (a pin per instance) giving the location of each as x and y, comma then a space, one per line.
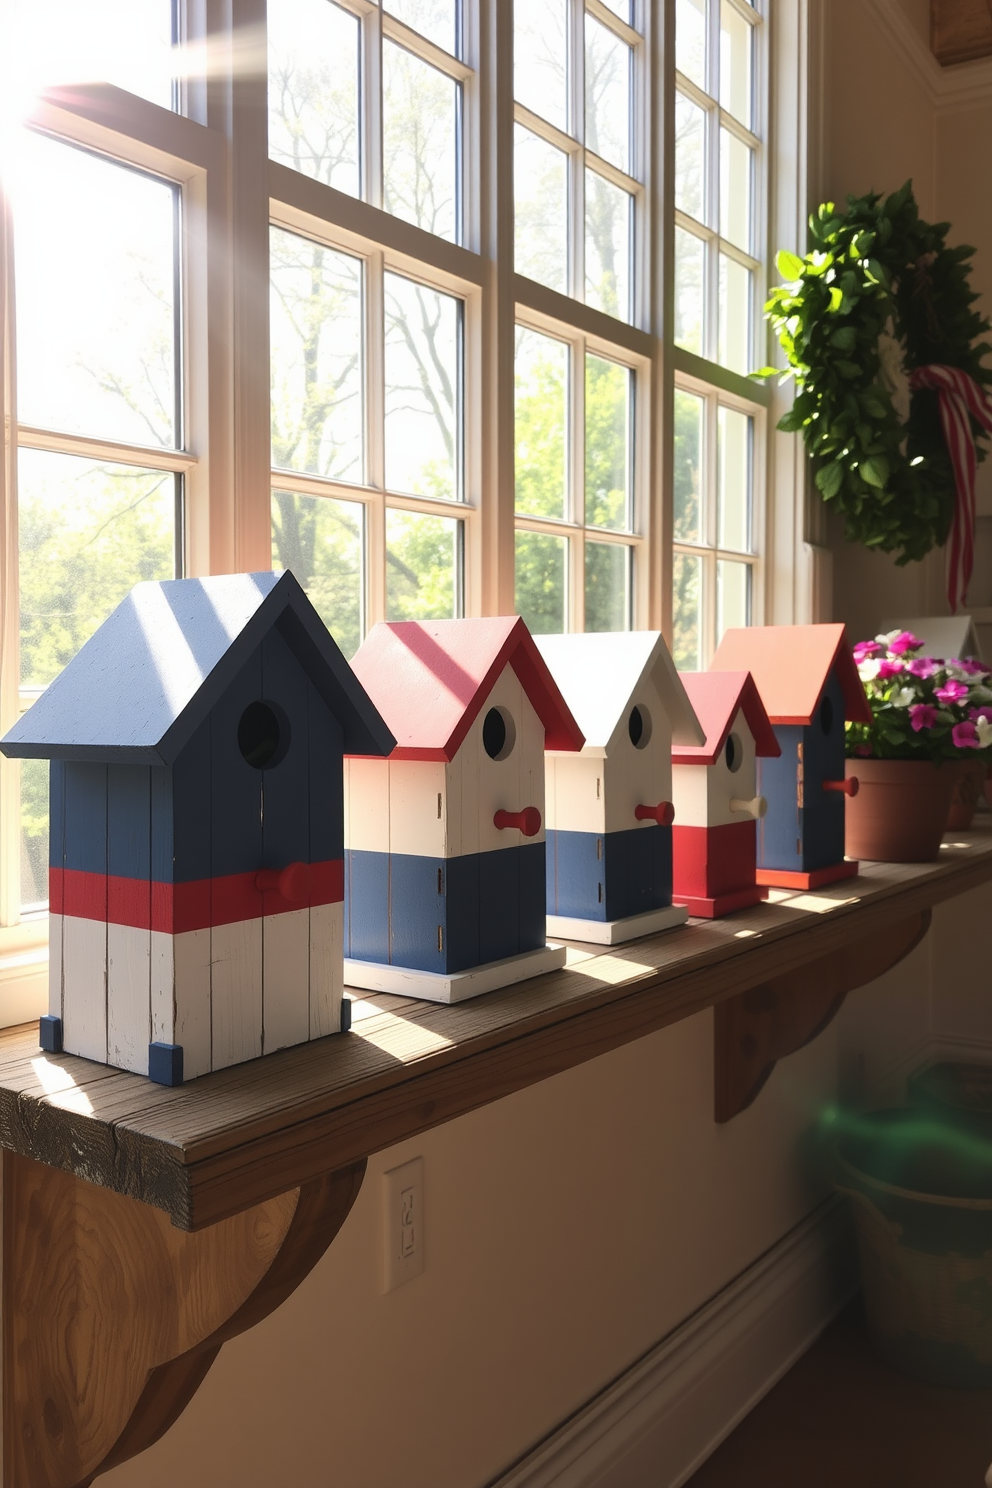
809, 685
610, 806
196, 860
445, 840
714, 788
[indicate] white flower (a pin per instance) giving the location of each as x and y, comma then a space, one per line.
868, 670
889, 636
984, 728
903, 698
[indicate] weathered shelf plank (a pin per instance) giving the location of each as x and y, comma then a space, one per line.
233, 1139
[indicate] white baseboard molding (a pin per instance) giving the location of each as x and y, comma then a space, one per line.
656, 1424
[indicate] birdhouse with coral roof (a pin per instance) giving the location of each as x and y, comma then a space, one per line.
717, 805
196, 845
445, 840
809, 686
610, 806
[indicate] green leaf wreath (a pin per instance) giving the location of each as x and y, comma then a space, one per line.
878, 294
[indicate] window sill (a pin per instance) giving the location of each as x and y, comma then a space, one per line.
238, 1137
23, 970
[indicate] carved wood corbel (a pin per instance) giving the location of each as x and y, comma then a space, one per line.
757, 1028
112, 1317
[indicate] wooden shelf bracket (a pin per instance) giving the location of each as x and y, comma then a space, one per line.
112, 1317
755, 1029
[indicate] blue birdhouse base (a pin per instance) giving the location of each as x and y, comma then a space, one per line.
615, 932
817, 878
456, 986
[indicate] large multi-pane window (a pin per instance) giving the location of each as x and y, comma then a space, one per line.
378, 291
580, 70
719, 195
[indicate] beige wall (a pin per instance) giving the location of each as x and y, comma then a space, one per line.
887, 121
568, 1228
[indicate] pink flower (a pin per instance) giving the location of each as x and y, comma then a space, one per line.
951, 692
985, 711
922, 666
974, 668
863, 750
903, 642
965, 736
922, 716
865, 650
887, 669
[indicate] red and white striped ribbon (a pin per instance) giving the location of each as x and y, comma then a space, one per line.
960, 396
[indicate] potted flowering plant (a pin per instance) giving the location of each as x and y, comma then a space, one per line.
931, 731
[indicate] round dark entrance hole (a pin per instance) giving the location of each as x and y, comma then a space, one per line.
263, 735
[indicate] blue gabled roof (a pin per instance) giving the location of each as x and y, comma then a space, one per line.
149, 676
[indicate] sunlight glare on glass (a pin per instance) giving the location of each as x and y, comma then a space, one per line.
96, 250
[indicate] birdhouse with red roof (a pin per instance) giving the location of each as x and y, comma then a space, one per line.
717, 804
196, 846
445, 840
809, 685
610, 806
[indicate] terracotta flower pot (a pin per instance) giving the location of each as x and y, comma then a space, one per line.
900, 811
967, 793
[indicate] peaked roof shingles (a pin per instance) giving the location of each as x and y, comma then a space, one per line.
430, 679
144, 681
716, 698
790, 665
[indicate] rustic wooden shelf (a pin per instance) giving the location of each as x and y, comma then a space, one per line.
235, 1139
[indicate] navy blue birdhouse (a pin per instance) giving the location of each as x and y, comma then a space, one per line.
196, 860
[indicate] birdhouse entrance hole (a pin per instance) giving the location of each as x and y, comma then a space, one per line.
639, 727
498, 733
263, 735
734, 753
826, 715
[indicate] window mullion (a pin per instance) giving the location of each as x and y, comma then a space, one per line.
577, 487
10, 795
371, 144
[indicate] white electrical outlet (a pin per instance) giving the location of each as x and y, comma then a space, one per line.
403, 1223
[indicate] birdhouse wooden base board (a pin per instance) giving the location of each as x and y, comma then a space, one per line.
615, 932
723, 904
778, 878
432, 986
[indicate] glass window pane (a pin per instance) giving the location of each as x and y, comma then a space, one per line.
736, 174
435, 19
608, 211
423, 566
540, 47
607, 94
734, 316
689, 412
540, 210
66, 41
419, 142
316, 358
540, 424
314, 50
620, 8
734, 480
97, 257
607, 444
690, 39
690, 124
733, 596
34, 834
735, 62
423, 390
686, 612
607, 586
690, 268
322, 542
87, 533
541, 565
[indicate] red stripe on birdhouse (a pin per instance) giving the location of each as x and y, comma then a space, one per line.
176, 908
709, 862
